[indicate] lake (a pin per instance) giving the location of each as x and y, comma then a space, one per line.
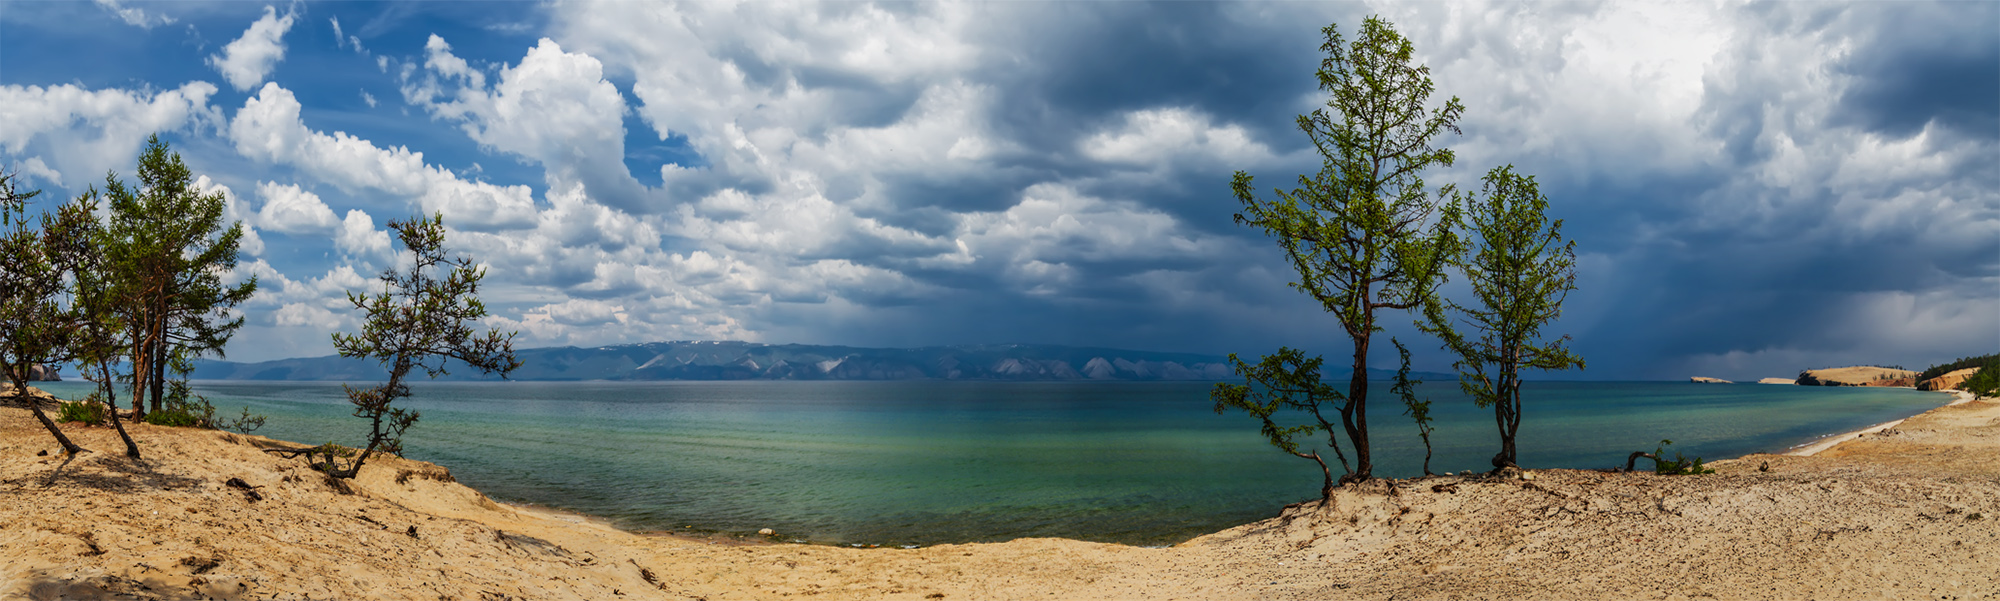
927, 462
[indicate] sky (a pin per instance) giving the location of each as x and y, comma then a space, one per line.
1754, 188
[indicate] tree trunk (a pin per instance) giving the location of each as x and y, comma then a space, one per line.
139, 370
158, 380
35, 405
1327, 486
111, 401
1427, 454
1357, 419
1507, 412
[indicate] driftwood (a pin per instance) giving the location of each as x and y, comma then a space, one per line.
1635, 458
249, 492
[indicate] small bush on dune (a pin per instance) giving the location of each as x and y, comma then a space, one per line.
87, 412
183, 410
246, 423
1678, 466
186, 410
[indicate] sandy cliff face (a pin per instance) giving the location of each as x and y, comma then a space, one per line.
1702, 380
1854, 376
1948, 381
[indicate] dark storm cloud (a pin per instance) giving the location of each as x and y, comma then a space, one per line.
1724, 230
1077, 67
1746, 204
1923, 66
1690, 287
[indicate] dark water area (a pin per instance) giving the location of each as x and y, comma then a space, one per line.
930, 462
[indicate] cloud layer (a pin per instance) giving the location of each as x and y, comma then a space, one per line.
1755, 188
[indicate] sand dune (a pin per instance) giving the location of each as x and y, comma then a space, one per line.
1865, 375
1904, 513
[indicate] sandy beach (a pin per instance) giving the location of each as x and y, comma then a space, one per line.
1908, 510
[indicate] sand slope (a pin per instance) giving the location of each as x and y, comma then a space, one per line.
1913, 511
1865, 375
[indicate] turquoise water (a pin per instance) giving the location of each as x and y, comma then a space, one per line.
929, 462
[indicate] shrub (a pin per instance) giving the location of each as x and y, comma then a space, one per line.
1679, 465
1986, 382
183, 413
244, 424
88, 412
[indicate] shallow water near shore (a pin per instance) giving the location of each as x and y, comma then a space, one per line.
931, 462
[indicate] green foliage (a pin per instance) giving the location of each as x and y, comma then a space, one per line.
1679, 465
1363, 233
1520, 272
78, 241
1985, 382
36, 325
244, 424
423, 317
178, 415
84, 412
1982, 361
183, 410
1279, 385
166, 250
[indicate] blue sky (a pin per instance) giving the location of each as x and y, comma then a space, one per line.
1754, 188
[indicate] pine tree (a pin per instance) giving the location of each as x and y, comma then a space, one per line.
422, 319
167, 249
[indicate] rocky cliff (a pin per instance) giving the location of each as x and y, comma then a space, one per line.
43, 373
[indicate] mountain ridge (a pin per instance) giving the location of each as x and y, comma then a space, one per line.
737, 360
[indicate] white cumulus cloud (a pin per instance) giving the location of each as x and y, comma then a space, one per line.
76, 130
293, 210
1154, 136
268, 128
247, 60
358, 236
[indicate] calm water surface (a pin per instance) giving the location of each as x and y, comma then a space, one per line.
928, 462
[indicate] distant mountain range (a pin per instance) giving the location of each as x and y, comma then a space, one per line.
732, 360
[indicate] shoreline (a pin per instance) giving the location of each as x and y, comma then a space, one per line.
748, 537
1891, 516
1959, 397
1807, 449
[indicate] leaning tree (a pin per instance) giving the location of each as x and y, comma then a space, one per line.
422, 319
35, 326
75, 239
